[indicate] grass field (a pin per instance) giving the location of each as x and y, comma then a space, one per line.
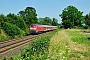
70, 44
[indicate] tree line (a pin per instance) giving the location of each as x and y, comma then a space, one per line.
18, 24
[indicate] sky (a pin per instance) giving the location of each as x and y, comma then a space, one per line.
44, 8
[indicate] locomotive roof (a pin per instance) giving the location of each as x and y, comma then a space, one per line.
43, 25
39, 25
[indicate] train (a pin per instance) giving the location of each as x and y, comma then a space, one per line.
37, 28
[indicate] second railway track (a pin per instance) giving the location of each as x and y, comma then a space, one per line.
15, 43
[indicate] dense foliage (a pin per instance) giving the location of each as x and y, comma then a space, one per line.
11, 30
54, 22
2, 20
17, 20
36, 49
29, 15
45, 21
87, 19
48, 21
71, 16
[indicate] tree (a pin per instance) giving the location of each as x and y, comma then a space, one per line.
41, 21
29, 15
21, 23
2, 20
71, 17
13, 18
87, 19
54, 22
17, 20
45, 21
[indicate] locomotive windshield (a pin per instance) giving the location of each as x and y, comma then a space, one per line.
33, 25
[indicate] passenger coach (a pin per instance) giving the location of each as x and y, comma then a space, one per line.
36, 28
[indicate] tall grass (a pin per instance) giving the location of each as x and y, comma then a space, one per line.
64, 47
3, 36
59, 48
81, 42
79, 37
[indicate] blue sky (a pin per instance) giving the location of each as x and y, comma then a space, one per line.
49, 8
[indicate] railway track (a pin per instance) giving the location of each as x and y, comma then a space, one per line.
14, 44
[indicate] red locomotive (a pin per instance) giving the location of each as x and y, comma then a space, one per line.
36, 28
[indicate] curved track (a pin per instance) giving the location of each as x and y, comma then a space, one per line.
14, 44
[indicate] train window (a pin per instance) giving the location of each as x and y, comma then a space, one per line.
33, 25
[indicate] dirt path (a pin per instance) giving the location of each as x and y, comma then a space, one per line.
62, 48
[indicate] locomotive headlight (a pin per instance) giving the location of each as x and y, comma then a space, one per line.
34, 28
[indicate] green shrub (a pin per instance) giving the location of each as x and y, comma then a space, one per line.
37, 49
85, 27
5, 58
21, 23
2, 38
11, 29
27, 31
17, 20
